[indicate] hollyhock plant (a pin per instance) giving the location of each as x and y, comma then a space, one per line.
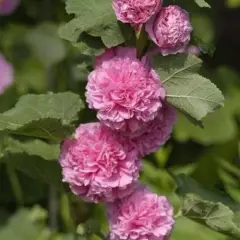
157, 132
170, 29
98, 165
136, 12
8, 6
6, 74
125, 91
142, 215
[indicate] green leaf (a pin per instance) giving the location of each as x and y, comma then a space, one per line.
47, 116
203, 32
187, 185
214, 131
29, 193
30, 224
202, 3
46, 44
31, 75
15, 230
97, 18
35, 158
230, 177
186, 89
186, 229
215, 215
233, 3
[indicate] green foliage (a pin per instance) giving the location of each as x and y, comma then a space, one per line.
47, 116
29, 225
215, 215
233, 3
186, 89
214, 131
35, 158
46, 44
186, 228
95, 17
202, 3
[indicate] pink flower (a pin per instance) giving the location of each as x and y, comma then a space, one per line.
170, 29
8, 6
6, 74
136, 11
157, 132
124, 90
141, 216
98, 165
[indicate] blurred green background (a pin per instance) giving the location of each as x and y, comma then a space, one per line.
33, 209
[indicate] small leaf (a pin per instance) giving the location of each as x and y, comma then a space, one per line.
46, 116
202, 3
215, 215
186, 89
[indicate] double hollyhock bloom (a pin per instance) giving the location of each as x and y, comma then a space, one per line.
8, 6
125, 92
170, 29
6, 74
157, 132
101, 162
98, 164
136, 12
142, 215
130, 99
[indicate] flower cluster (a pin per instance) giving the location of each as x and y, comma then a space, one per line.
101, 162
169, 27
6, 70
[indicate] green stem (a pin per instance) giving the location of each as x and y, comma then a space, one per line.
142, 42
16, 187
66, 213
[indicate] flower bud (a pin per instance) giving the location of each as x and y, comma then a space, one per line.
136, 11
170, 29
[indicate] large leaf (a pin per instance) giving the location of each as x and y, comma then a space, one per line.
186, 89
214, 131
47, 115
186, 229
187, 185
36, 159
97, 18
215, 215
